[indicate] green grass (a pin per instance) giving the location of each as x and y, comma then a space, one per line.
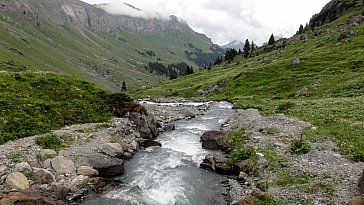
49, 142
91, 55
34, 103
331, 71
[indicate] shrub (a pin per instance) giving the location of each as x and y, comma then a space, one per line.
242, 154
300, 146
286, 106
49, 142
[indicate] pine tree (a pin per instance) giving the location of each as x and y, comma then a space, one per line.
271, 40
253, 46
246, 49
300, 31
123, 87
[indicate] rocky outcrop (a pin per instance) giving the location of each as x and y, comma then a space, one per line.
145, 124
80, 14
28, 197
106, 166
210, 140
149, 143
17, 180
87, 171
63, 165
218, 163
361, 183
112, 149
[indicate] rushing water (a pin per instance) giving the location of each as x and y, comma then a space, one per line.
170, 174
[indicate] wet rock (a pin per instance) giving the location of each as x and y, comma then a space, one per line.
17, 180
23, 167
145, 124
103, 185
106, 166
149, 143
169, 127
361, 183
188, 114
28, 197
210, 140
218, 163
43, 176
357, 201
78, 195
87, 171
63, 165
112, 149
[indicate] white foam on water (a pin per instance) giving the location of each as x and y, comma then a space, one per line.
194, 104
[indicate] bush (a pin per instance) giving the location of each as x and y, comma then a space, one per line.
242, 154
49, 142
300, 146
286, 106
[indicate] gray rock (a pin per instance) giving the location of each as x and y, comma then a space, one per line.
169, 127
43, 176
361, 183
112, 149
23, 167
64, 153
145, 124
296, 61
48, 152
134, 145
106, 166
63, 165
188, 114
210, 140
149, 143
303, 92
17, 180
78, 181
47, 163
87, 171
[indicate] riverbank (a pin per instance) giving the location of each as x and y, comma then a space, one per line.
89, 154
285, 168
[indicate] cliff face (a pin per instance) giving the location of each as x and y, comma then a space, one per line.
79, 14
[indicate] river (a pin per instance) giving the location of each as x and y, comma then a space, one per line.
170, 174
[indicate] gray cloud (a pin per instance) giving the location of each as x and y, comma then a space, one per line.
225, 21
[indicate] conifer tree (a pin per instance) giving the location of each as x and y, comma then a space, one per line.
253, 46
271, 40
246, 49
300, 30
123, 86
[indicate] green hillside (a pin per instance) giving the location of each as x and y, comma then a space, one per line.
36, 43
326, 88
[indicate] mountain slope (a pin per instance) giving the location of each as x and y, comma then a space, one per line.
72, 37
317, 76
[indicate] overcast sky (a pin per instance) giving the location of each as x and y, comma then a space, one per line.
226, 20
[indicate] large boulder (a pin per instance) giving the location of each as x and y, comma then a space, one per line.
17, 180
63, 165
87, 171
112, 149
145, 124
218, 163
210, 140
27, 197
169, 127
106, 166
361, 183
359, 200
43, 176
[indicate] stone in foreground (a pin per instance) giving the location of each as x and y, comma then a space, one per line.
63, 165
17, 180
